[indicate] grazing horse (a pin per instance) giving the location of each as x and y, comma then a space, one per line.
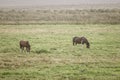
24, 44
81, 40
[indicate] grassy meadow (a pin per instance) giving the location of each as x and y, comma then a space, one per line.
53, 57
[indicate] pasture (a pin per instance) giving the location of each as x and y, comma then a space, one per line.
53, 57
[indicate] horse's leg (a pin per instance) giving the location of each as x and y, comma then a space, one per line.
27, 50
75, 43
23, 50
82, 44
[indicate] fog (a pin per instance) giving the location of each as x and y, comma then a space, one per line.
54, 2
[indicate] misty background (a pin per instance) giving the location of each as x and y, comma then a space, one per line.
54, 2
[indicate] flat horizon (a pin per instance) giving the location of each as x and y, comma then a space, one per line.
5, 3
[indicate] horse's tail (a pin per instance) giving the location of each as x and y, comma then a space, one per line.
88, 45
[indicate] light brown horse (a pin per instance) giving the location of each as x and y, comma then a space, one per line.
24, 44
81, 40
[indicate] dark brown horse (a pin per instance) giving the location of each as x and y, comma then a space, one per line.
81, 40
24, 44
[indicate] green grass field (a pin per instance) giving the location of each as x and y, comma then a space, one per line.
53, 57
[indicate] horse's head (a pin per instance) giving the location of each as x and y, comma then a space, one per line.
88, 45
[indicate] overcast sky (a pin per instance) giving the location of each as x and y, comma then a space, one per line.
53, 2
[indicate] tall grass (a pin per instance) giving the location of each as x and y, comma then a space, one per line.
51, 16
